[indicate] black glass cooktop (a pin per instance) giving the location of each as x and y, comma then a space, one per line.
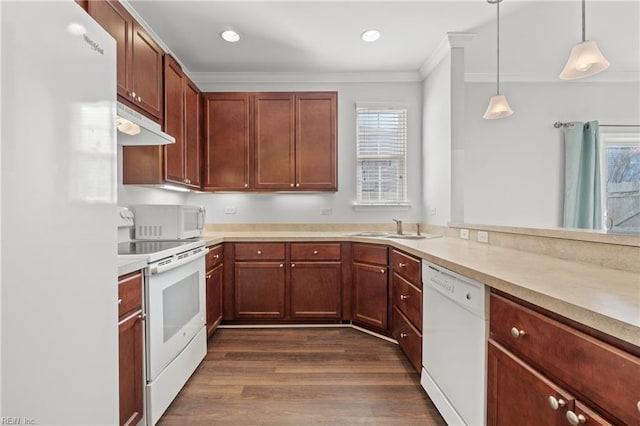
150, 247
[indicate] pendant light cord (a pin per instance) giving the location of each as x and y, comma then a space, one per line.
498, 48
584, 31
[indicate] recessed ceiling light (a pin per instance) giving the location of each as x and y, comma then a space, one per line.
370, 35
230, 36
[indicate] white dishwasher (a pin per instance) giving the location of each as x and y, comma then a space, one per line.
454, 345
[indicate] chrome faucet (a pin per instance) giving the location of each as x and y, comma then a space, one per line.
398, 226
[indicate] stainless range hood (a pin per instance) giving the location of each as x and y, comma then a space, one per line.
136, 129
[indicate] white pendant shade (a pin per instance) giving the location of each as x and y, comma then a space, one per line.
498, 108
585, 60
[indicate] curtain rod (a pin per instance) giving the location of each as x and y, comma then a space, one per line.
559, 124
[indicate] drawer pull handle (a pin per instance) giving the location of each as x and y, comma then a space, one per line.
216, 256
403, 335
293, 265
402, 265
403, 297
556, 403
315, 252
259, 251
119, 302
382, 271
575, 419
517, 333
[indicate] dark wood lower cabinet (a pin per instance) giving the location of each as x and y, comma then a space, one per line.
316, 290
371, 295
409, 338
130, 369
259, 290
519, 395
214, 298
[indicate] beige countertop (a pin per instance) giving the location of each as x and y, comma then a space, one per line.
605, 299
129, 263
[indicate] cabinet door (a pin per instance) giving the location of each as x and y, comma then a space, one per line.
193, 133
316, 290
115, 19
227, 137
519, 395
214, 298
316, 155
146, 67
174, 101
130, 366
274, 141
259, 290
371, 286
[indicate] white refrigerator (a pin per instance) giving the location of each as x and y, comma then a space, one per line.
58, 251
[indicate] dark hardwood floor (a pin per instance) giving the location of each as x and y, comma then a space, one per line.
302, 376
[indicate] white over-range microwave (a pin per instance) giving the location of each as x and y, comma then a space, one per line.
167, 222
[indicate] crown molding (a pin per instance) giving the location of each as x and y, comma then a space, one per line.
305, 77
552, 77
450, 41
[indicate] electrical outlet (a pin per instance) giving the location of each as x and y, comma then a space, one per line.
483, 237
229, 210
464, 234
326, 212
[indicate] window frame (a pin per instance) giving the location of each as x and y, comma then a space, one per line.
402, 203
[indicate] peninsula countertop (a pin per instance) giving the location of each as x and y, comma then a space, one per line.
605, 299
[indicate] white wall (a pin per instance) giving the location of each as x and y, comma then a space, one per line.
436, 155
306, 207
514, 167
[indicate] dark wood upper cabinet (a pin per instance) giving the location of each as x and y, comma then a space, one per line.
227, 139
274, 141
174, 123
271, 141
192, 133
139, 58
316, 128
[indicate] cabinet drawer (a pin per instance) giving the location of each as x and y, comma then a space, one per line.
129, 293
259, 251
214, 257
408, 267
598, 371
369, 253
408, 299
408, 337
315, 251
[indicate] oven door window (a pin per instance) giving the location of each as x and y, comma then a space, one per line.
180, 303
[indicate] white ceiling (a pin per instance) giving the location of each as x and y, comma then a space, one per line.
324, 36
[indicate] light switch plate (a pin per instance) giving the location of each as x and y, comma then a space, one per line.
464, 234
483, 237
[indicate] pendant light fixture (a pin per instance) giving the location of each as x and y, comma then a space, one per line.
585, 58
498, 105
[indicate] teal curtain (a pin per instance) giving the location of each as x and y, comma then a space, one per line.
582, 193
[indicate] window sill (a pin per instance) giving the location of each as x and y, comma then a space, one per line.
381, 206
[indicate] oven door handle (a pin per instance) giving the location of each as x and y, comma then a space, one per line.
161, 267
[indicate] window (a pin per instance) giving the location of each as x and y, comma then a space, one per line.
620, 176
381, 154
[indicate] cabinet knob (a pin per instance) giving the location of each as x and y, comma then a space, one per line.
216, 256
638, 405
402, 265
517, 333
246, 185
315, 252
403, 297
403, 335
282, 265
119, 302
293, 265
208, 276
575, 419
133, 95
291, 185
556, 403
297, 185
142, 317
382, 271
139, 99
259, 252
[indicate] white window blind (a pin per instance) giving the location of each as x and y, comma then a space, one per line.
381, 154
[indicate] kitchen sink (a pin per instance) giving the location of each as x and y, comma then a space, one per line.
412, 236
370, 234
